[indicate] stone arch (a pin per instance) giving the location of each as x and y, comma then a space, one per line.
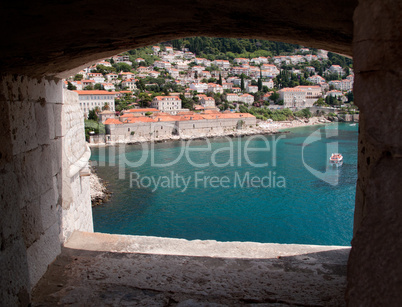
46, 41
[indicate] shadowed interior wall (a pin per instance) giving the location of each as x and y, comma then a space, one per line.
43, 197
30, 180
54, 37
51, 39
375, 266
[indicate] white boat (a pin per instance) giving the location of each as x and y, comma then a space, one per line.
336, 159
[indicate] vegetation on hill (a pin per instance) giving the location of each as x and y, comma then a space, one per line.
229, 48
276, 115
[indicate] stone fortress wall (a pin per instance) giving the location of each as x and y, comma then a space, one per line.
136, 132
42, 201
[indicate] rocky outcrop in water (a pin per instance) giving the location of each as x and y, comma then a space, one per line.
99, 191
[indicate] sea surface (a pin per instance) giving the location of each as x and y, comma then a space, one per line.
268, 188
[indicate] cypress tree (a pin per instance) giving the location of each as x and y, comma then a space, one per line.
242, 83
220, 79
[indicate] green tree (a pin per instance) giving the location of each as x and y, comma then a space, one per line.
70, 86
106, 106
220, 79
92, 115
350, 97
88, 87
78, 77
140, 84
259, 84
98, 86
122, 67
144, 99
94, 127
274, 97
320, 102
242, 82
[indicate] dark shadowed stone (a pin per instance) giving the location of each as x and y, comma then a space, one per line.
51, 37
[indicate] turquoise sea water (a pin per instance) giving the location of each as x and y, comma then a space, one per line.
282, 202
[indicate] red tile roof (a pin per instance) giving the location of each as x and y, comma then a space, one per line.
95, 92
112, 121
142, 110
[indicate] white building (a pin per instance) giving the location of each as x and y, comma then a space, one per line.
240, 61
104, 63
232, 97
89, 100
208, 102
269, 70
316, 79
292, 97
310, 69
269, 84
199, 87
198, 69
222, 63
77, 84
129, 84
162, 64
107, 86
166, 103
182, 66
214, 88
343, 85
126, 75
310, 57
240, 70
122, 59
173, 72
336, 69
313, 93
335, 93
97, 77
246, 98
111, 77
252, 89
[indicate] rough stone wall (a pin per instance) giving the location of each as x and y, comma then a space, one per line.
76, 200
142, 131
31, 181
375, 266
203, 127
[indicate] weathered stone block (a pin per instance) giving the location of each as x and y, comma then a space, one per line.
23, 126
44, 123
31, 221
9, 205
50, 210
58, 116
6, 146
43, 252
27, 168
14, 274
54, 90
36, 90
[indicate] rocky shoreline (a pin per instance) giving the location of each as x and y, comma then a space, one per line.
98, 187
